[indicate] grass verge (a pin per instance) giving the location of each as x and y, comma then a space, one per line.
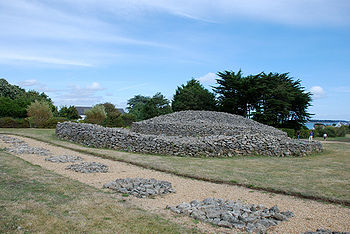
36, 200
324, 176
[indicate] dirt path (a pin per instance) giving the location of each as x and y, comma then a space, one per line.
309, 215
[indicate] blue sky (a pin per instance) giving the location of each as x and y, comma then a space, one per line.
85, 52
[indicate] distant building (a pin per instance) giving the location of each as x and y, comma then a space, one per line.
81, 110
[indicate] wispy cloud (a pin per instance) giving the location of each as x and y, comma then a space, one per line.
208, 78
58, 33
296, 12
47, 60
28, 83
80, 95
38, 86
317, 92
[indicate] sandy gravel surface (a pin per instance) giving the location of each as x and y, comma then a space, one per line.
309, 215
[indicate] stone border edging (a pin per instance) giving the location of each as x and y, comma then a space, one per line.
258, 188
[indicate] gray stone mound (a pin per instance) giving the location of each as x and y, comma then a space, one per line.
20, 147
198, 134
202, 123
231, 214
141, 187
88, 167
10, 140
325, 231
26, 149
63, 159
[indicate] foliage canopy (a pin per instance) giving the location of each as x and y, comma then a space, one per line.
39, 113
96, 115
273, 99
193, 96
148, 107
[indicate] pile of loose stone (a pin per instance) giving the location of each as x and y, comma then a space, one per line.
191, 133
227, 213
141, 187
20, 147
88, 167
63, 158
325, 231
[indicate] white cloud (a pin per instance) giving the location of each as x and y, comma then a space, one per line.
28, 83
298, 12
57, 33
45, 60
77, 95
94, 86
317, 92
208, 78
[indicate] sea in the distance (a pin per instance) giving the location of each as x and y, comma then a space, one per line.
310, 125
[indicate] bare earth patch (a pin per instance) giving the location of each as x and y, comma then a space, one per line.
309, 215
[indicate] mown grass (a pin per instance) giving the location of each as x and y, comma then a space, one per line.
324, 176
36, 200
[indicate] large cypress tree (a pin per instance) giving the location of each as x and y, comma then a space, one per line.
274, 99
193, 96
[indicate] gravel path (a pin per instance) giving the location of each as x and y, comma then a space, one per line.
309, 215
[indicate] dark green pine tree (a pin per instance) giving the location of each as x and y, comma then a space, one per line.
193, 96
273, 99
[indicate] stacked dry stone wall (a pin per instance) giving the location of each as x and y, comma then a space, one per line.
252, 137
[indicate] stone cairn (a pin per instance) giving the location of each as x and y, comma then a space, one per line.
63, 159
231, 214
88, 167
20, 147
141, 187
191, 133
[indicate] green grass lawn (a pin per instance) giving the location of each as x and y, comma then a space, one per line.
36, 200
325, 175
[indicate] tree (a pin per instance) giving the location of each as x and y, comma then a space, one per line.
96, 115
16, 108
136, 105
70, 112
157, 105
274, 99
110, 108
148, 107
21, 97
39, 112
193, 96
10, 91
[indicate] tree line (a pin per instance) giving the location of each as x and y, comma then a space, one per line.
270, 98
275, 99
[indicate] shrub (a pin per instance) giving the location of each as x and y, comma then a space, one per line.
332, 131
113, 120
127, 119
69, 112
96, 115
13, 108
52, 122
305, 133
39, 113
8, 122
341, 131
290, 132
